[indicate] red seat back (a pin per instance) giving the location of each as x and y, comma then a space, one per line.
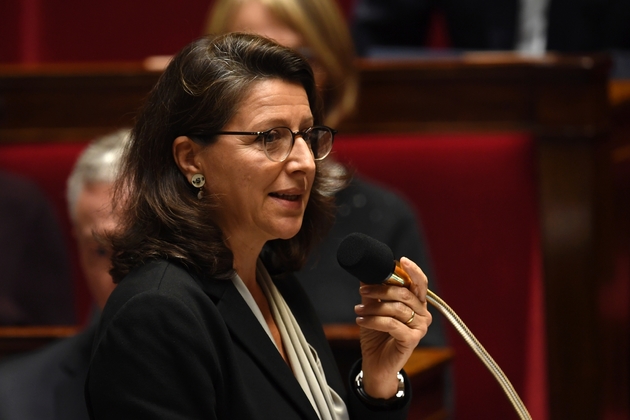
476, 196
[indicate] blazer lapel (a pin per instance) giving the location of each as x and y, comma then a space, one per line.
248, 332
304, 313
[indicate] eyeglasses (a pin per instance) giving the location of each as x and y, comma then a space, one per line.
278, 142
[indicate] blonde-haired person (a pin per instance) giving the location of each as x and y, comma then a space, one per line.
315, 28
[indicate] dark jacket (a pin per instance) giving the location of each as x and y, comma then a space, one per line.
170, 346
47, 384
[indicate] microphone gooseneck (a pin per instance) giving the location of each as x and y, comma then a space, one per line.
372, 262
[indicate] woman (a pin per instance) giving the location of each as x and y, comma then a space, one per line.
216, 199
317, 28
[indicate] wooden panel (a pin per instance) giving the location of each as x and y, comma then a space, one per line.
551, 95
15, 340
65, 102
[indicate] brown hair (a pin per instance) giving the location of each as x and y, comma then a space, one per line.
199, 92
325, 31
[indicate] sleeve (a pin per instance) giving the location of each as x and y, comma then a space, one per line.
359, 409
154, 360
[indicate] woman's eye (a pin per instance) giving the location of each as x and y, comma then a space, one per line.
273, 135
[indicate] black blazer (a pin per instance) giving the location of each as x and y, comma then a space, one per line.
170, 346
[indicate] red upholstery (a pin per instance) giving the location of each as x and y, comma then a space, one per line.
477, 200
46, 31
49, 165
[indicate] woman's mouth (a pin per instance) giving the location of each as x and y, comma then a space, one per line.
288, 197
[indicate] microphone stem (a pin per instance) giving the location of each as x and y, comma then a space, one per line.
485, 357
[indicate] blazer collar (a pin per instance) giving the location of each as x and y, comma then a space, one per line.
248, 333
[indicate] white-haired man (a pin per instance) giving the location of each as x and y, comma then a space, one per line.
48, 383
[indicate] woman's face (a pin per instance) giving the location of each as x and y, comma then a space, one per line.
261, 200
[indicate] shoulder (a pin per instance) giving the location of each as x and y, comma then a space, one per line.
159, 294
155, 278
371, 209
364, 195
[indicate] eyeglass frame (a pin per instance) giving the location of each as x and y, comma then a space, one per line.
293, 134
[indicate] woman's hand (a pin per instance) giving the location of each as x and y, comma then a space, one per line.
393, 319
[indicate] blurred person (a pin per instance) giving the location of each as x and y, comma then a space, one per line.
317, 29
35, 283
403, 26
529, 26
48, 383
225, 187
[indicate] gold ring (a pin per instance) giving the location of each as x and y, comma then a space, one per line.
413, 315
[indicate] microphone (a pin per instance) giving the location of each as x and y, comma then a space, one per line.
372, 262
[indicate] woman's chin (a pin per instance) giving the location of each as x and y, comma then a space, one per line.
290, 232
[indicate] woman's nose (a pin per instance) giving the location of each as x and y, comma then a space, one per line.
302, 154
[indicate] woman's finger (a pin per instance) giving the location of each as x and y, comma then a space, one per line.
420, 280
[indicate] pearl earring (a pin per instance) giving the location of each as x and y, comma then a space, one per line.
198, 181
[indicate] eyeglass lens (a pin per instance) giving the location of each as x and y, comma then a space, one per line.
278, 142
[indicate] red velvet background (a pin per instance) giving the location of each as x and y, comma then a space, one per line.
476, 196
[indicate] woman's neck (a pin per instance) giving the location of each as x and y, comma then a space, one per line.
245, 258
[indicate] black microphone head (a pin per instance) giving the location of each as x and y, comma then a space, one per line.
367, 259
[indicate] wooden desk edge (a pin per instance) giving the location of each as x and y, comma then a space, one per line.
422, 359
38, 332
426, 358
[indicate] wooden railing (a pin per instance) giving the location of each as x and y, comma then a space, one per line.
18, 340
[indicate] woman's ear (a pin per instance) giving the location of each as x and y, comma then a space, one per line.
185, 152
